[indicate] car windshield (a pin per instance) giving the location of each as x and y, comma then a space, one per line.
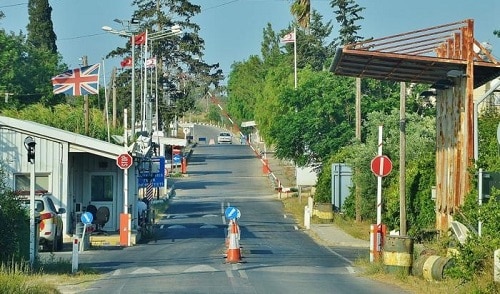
224, 135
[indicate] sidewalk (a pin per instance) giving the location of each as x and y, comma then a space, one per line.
326, 234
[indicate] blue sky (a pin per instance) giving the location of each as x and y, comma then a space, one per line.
232, 29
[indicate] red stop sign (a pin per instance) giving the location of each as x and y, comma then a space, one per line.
381, 165
124, 161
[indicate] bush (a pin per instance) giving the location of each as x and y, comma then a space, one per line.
15, 226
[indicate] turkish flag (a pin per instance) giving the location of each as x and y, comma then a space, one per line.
140, 39
127, 62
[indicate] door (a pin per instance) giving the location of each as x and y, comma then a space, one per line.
103, 194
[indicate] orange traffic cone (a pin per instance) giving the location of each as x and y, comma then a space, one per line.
233, 252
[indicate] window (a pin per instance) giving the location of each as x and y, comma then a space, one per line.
101, 188
22, 182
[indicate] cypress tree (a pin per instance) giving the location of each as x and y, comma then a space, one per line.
40, 28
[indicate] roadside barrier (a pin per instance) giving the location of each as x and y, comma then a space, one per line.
233, 251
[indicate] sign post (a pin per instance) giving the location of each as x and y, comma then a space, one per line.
381, 166
124, 161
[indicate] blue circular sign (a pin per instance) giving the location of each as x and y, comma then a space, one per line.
87, 218
177, 158
232, 213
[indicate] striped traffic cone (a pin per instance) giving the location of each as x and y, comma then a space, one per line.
233, 252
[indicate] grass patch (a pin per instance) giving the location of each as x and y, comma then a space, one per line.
47, 276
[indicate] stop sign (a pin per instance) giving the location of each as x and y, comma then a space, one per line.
124, 161
381, 165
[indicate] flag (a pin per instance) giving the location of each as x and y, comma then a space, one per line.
127, 62
288, 38
79, 81
140, 39
151, 62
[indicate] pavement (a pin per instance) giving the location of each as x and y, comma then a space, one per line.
326, 234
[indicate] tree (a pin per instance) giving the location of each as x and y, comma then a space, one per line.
301, 9
183, 75
315, 119
40, 28
347, 15
244, 85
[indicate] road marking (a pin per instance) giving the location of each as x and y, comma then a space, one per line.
177, 227
340, 256
229, 273
350, 269
243, 274
202, 268
145, 270
207, 226
296, 228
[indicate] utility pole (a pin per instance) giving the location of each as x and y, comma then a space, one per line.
86, 101
357, 190
402, 159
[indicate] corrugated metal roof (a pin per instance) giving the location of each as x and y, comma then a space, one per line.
77, 142
422, 56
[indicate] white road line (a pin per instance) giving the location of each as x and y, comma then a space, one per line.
229, 274
340, 256
243, 274
350, 269
296, 228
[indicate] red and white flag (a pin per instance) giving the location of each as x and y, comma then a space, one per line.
151, 62
288, 38
127, 62
140, 39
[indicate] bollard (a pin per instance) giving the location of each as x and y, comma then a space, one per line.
74, 259
184, 165
307, 217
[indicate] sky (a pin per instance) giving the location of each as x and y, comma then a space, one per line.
232, 29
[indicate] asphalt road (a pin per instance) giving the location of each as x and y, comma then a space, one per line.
189, 253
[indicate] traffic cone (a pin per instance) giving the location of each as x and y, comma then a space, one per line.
233, 252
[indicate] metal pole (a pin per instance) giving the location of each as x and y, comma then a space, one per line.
32, 215
133, 92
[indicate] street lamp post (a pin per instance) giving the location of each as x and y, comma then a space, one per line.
132, 105
150, 37
29, 144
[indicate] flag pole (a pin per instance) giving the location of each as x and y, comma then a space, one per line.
145, 92
295, 55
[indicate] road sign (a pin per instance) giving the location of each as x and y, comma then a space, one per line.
155, 174
124, 161
87, 218
381, 165
232, 213
177, 159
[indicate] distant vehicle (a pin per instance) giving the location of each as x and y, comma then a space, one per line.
51, 224
225, 137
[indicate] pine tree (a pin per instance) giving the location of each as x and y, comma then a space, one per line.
185, 75
347, 14
40, 28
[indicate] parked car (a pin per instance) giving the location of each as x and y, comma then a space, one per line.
51, 224
225, 137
